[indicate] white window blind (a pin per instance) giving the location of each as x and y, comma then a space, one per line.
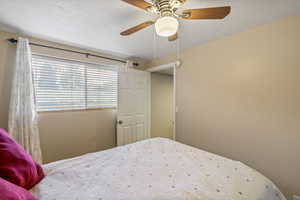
69, 85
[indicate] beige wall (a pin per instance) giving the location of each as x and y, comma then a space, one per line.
70, 134
63, 134
161, 105
240, 97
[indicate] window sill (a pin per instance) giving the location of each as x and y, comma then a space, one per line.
79, 110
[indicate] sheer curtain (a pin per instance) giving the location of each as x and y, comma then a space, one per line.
22, 123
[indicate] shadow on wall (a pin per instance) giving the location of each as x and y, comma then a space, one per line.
9, 28
7, 77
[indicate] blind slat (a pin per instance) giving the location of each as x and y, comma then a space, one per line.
68, 85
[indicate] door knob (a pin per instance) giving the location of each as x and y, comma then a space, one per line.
120, 122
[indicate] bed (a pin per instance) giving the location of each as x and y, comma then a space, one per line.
154, 169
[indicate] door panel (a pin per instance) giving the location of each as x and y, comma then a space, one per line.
133, 106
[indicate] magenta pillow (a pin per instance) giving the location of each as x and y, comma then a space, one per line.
16, 165
9, 191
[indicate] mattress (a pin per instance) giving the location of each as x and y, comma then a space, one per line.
154, 169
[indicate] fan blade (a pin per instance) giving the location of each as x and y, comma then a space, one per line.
139, 3
173, 37
137, 28
207, 13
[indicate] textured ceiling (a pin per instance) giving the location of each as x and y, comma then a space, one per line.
96, 24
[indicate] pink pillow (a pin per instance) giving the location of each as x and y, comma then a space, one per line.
16, 165
9, 191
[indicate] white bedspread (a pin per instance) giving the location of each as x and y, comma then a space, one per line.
154, 169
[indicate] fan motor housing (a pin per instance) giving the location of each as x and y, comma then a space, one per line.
166, 7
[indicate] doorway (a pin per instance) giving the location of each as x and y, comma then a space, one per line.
163, 101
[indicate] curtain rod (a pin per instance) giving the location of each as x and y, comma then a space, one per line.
13, 40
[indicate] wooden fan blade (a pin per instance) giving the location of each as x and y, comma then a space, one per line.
173, 37
137, 28
207, 13
139, 3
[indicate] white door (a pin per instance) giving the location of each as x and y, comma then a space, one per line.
133, 123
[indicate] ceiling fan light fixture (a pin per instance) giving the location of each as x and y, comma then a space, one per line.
166, 26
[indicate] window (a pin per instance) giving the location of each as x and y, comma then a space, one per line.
69, 85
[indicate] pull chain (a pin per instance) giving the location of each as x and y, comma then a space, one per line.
178, 45
155, 49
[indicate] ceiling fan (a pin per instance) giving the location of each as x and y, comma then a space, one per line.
166, 24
